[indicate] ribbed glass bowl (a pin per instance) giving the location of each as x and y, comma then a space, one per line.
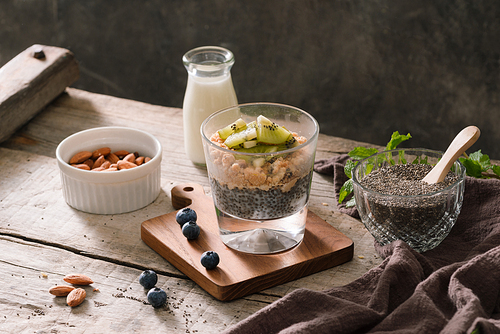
422, 221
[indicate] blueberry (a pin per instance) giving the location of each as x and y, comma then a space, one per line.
148, 279
209, 259
191, 230
185, 215
157, 297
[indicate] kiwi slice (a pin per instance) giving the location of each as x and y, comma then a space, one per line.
259, 149
271, 133
240, 137
250, 143
225, 132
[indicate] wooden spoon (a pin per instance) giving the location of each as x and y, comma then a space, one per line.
458, 146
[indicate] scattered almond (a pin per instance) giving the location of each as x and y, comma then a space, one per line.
61, 290
76, 297
78, 279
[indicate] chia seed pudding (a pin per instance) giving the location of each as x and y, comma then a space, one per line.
261, 204
277, 188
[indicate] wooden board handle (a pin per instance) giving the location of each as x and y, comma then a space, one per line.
185, 194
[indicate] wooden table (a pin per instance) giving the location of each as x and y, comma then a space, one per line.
42, 239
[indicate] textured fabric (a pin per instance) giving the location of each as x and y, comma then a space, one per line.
454, 288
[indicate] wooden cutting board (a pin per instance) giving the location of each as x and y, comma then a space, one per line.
239, 274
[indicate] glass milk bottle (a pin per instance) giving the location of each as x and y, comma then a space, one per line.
209, 89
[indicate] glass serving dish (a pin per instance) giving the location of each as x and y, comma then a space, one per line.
422, 221
261, 198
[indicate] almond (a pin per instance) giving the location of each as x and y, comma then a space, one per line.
78, 279
99, 161
106, 164
89, 162
102, 151
123, 164
130, 158
121, 153
147, 159
139, 161
80, 157
82, 166
61, 290
76, 297
113, 158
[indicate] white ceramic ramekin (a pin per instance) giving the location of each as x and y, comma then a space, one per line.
110, 192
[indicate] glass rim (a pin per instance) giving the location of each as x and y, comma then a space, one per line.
461, 175
290, 150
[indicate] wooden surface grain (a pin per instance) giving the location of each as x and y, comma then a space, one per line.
42, 239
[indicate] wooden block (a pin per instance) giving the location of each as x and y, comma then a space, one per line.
30, 81
240, 274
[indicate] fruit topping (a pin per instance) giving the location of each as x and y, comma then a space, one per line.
261, 136
148, 279
240, 137
185, 215
232, 128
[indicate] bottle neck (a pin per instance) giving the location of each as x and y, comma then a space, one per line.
208, 61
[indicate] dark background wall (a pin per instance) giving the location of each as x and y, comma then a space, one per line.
363, 68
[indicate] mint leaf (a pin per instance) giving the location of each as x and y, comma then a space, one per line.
396, 139
346, 189
495, 169
359, 153
349, 167
350, 203
482, 159
472, 167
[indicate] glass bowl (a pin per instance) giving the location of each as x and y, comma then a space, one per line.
422, 221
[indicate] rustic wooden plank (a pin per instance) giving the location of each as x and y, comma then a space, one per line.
117, 306
29, 82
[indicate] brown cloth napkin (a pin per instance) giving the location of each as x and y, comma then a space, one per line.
454, 288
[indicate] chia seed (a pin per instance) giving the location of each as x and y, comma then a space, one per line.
261, 204
405, 180
405, 207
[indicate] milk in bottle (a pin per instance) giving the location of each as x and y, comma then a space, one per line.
209, 89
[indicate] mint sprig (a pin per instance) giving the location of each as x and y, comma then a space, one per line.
477, 165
